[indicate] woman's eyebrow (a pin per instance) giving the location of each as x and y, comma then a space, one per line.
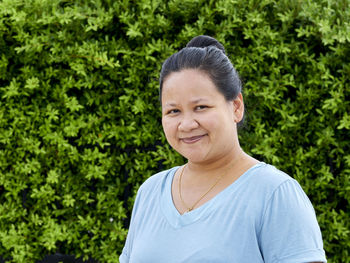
195, 101
170, 104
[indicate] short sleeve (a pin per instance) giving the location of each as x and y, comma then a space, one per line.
123, 258
289, 230
125, 255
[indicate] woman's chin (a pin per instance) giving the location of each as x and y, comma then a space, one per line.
196, 157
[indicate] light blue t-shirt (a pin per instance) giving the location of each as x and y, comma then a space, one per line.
264, 216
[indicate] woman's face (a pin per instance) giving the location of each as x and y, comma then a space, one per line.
197, 120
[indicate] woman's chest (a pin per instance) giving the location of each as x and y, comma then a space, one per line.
225, 237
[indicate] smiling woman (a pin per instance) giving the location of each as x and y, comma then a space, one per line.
201, 125
222, 205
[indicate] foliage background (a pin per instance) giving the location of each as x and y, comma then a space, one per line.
80, 121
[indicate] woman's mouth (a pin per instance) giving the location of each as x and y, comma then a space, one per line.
192, 139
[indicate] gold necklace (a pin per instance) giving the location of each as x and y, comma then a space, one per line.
202, 196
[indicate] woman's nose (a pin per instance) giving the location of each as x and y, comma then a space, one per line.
188, 123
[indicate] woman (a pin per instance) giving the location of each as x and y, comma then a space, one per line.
222, 205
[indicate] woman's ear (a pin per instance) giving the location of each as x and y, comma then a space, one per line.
238, 108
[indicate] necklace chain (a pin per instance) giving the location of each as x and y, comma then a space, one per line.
202, 196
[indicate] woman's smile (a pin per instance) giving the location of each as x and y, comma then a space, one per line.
192, 139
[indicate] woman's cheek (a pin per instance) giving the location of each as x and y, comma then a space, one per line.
169, 128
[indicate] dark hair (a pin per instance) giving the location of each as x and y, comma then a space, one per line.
208, 55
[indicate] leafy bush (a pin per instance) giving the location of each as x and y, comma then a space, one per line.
80, 120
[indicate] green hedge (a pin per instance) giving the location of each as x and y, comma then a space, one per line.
80, 120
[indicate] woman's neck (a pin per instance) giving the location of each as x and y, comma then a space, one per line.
230, 162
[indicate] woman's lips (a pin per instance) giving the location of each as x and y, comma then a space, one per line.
192, 139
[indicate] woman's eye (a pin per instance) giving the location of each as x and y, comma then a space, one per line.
173, 111
201, 107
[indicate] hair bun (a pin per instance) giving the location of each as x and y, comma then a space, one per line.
205, 41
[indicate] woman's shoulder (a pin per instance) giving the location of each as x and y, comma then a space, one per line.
270, 178
271, 172
157, 180
276, 186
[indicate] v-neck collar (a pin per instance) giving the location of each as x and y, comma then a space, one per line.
177, 220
